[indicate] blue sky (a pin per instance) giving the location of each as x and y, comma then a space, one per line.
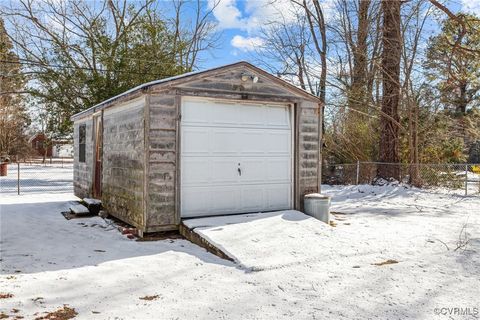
240, 22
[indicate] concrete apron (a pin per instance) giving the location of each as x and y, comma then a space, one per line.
259, 241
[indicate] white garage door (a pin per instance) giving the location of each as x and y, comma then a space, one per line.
235, 158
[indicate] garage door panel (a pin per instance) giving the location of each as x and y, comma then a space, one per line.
204, 200
195, 171
278, 170
224, 138
253, 170
214, 170
252, 141
253, 198
278, 197
199, 200
198, 113
223, 141
223, 171
278, 142
223, 114
277, 117
194, 141
251, 115
211, 199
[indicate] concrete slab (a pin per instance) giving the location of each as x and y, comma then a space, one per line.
78, 209
265, 240
90, 202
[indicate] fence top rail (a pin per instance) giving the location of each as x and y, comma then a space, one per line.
405, 164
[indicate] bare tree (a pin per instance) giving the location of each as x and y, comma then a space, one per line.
412, 30
287, 52
81, 53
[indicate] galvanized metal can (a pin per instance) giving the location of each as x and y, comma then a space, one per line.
318, 206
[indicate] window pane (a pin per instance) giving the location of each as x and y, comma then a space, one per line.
81, 154
81, 133
81, 142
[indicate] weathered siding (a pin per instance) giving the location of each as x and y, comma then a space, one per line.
141, 142
231, 81
164, 106
123, 161
83, 171
307, 149
161, 156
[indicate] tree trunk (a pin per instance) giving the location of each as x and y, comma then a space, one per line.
392, 46
414, 171
358, 98
359, 79
462, 99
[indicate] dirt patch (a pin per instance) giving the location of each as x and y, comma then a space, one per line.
156, 236
150, 298
389, 261
64, 313
6, 295
69, 215
3, 315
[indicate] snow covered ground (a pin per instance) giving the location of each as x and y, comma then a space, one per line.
288, 265
38, 178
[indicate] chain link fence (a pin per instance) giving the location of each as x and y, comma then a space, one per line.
461, 178
35, 177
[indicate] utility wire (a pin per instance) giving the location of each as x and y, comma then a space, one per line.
38, 64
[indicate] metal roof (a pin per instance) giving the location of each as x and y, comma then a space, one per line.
181, 76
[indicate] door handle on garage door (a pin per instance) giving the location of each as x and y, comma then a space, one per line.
239, 170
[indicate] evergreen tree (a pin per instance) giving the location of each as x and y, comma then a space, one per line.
454, 70
13, 116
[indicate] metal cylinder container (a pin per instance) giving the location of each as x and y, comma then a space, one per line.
318, 206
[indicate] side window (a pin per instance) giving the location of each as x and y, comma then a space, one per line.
82, 130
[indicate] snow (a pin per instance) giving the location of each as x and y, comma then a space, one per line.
38, 178
287, 265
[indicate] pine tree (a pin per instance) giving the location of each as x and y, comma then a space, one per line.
455, 71
13, 116
392, 46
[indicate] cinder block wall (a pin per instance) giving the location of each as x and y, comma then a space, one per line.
308, 152
123, 161
161, 169
163, 116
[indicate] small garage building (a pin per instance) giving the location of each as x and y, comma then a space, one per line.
232, 139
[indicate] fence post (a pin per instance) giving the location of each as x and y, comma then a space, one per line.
358, 172
18, 178
466, 179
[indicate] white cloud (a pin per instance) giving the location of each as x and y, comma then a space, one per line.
227, 13
256, 14
246, 43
